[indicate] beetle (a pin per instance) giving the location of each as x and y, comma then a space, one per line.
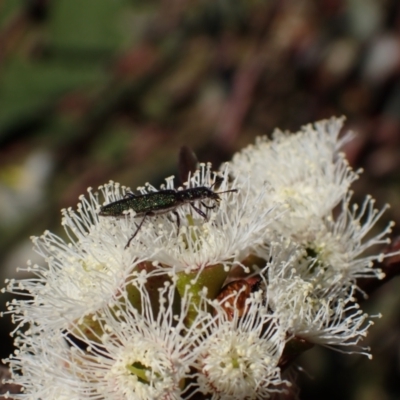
161, 202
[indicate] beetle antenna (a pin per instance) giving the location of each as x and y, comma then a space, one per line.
227, 191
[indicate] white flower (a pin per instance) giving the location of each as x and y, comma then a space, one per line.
77, 280
132, 306
227, 234
240, 356
305, 171
43, 367
144, 354
303, 305
342, 245
83, 275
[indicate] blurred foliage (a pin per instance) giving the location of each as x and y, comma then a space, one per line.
111, 89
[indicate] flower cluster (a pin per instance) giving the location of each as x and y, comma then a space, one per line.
203, 290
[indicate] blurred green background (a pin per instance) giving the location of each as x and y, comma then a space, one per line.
93, 90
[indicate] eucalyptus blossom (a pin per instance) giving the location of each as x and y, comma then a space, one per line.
207, 297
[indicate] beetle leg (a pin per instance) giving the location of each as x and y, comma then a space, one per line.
136, 232
208, 207
178, 221
199, 211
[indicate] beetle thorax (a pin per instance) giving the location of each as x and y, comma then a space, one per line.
197, 193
